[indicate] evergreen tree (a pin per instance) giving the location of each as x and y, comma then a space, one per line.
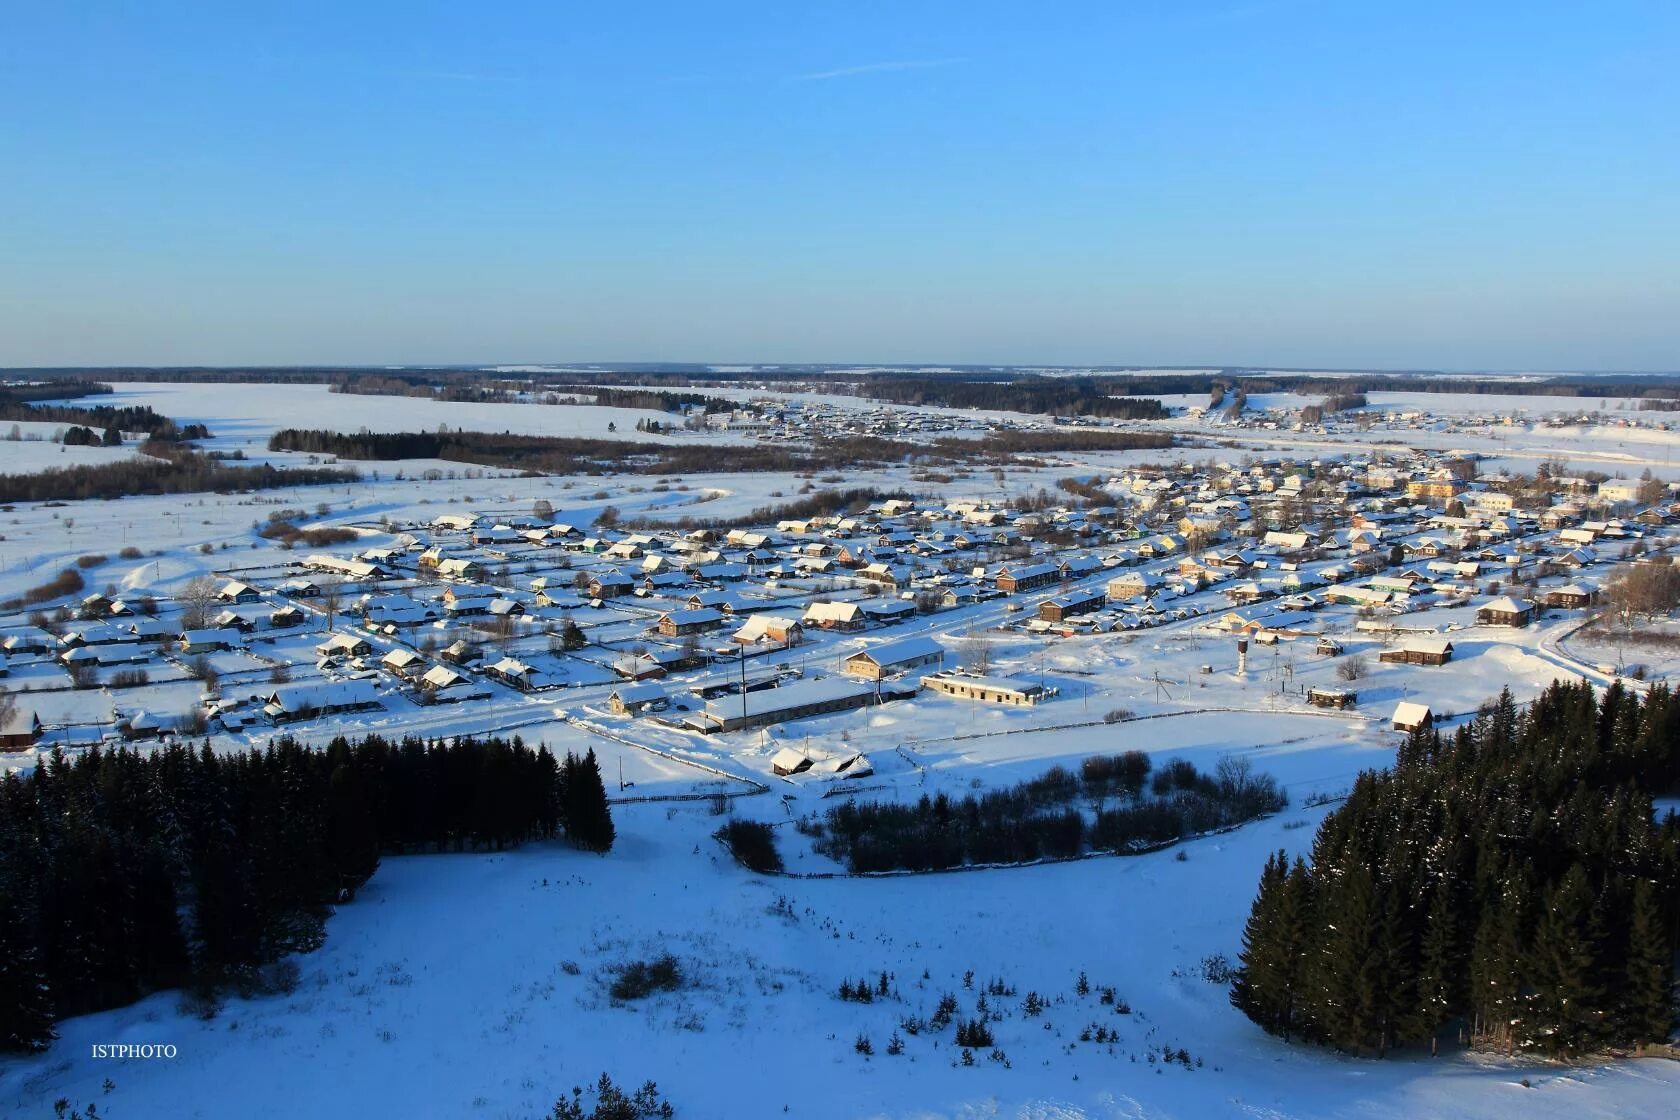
1346, 980
1648, 1006
26, 1013
588, 819
1439, 991
352, 841
1569, 997
1266, 985
122, 872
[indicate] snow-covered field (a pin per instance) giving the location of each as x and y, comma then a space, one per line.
29, 456
239, 415
447, 989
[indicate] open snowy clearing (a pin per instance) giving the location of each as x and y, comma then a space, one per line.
242, 414
27, 456
447, 989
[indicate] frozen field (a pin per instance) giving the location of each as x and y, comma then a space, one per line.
447, 990
241, 415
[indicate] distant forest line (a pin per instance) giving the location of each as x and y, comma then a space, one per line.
1021, 389
569, 455
162, 468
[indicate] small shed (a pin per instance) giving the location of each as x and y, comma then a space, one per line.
1411, 716
1337, 698
630, 699
20, 731
789, 761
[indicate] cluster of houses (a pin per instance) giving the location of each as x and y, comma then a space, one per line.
468, 604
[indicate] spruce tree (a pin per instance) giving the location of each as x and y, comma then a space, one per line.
353, 845
588, 819
1347, 974
1569, 999
1438, 993
1256, 991
1648, 1005
1268, 986
26, 1012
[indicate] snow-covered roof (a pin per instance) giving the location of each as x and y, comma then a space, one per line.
1410, 713
899, 652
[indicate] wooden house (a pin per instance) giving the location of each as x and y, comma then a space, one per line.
1505, 611
1419, 651
1015, 579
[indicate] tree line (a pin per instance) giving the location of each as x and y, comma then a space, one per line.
129, 418
659, 400
1042, 818
125, 872
1504, 886
572, 455
469, 387
1050, 396
1336, 402
1116, 381
164, 468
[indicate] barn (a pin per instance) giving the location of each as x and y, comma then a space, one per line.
210, 641
698, 620
780, 705
991, 690
305, 701
1419, 651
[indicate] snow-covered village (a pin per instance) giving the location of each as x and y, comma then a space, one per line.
942, 785
924, 561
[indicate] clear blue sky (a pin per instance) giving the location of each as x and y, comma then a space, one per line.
1477, 184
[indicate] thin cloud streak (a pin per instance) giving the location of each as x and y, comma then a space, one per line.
459, 76
878, 68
